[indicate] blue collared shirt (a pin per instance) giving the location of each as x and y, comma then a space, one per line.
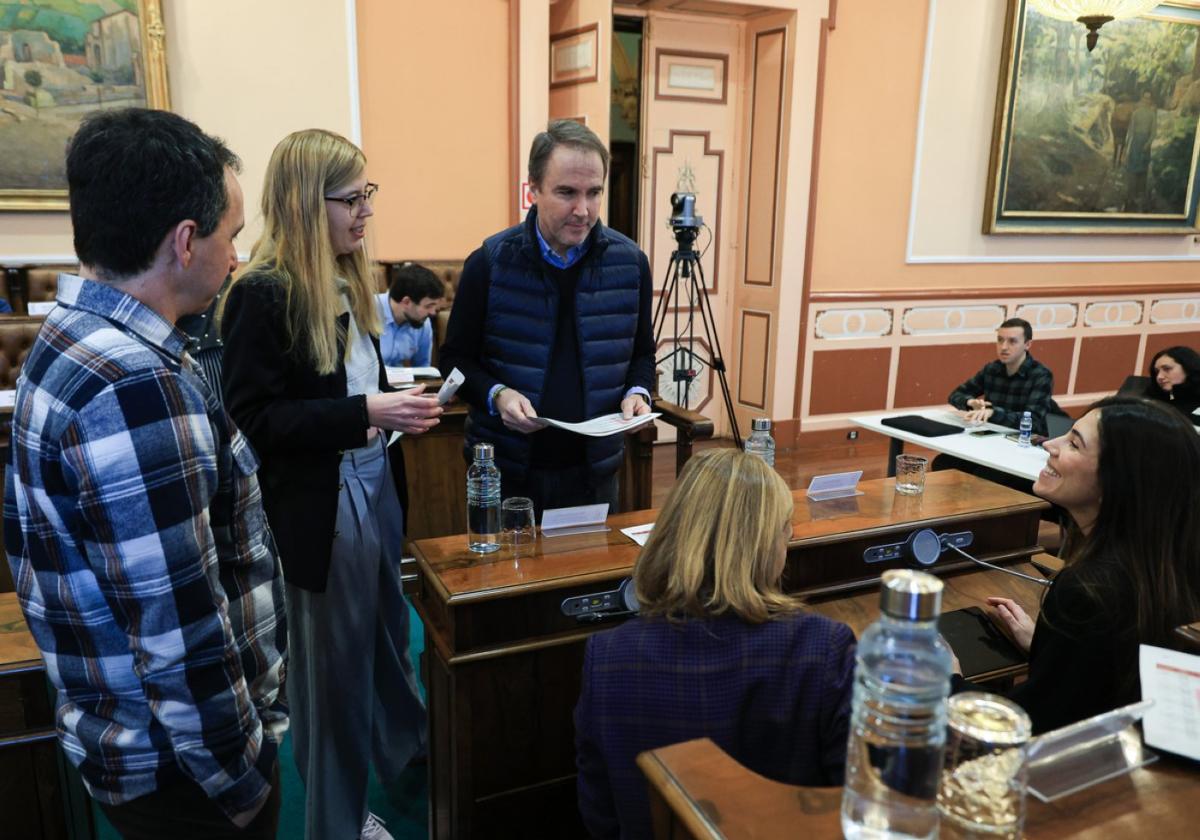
134, 527
574, 254
400, 343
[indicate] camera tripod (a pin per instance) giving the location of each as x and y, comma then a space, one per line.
685, 264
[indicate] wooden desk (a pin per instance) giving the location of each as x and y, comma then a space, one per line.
698, 791
437, 473
502, 664
37, 797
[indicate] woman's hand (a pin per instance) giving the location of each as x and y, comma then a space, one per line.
1013, 621
411, 412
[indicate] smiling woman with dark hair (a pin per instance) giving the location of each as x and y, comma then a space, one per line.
1128, 473
1175, 379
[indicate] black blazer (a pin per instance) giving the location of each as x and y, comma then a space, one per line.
300, 423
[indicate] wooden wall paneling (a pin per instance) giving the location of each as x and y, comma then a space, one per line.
753, 357
1161, 341
927, 374
1105, 361
762, 182
849, 380
1056, 354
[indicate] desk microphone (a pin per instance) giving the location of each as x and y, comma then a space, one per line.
925, 547
601, 605
1013, 572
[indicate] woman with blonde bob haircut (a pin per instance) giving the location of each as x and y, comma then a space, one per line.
717, 650
304, 380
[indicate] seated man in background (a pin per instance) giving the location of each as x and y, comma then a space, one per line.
406, 309
1013, 384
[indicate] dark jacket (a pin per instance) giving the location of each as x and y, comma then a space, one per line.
299, 422
775, 696
1083, 659
509, 339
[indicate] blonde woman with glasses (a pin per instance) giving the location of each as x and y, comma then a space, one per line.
718, 650
304, 380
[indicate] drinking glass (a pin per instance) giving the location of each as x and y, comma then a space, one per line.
982, 794
516, 519
910, 474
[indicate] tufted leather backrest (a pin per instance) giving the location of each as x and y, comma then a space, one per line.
41, 283
16, 337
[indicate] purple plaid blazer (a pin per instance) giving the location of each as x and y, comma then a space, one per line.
775, 696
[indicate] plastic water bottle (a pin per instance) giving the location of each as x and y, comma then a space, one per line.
760, 442
1026, 430
483, 502
898, 721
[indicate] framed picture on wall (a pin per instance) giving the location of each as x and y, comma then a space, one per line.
1101, 142
58, 62
575, 56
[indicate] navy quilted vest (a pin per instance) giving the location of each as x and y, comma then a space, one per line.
522, 312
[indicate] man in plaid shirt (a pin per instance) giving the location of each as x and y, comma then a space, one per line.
133, 519
1013, 384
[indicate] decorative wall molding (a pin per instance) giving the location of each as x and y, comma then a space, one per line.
755, 235
1175, 311
1112, 313
763, 337
655, 226
840, 324
951, 320
1048, 316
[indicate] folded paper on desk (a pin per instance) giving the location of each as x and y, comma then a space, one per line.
639, 533
609, 424
582, 519
980, 646
919, 425
1172, 680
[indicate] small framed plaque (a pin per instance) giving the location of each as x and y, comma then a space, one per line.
574, 56
691, 76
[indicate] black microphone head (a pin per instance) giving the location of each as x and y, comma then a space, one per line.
925, 547
629, 596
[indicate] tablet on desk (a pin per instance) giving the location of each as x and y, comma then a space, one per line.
979, 645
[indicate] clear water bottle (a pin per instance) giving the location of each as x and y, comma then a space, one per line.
1026, 430
898, 722
760, 442
483, 502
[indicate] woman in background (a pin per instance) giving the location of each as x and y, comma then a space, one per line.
1128, 474
717, 650
1175, 378
304, 380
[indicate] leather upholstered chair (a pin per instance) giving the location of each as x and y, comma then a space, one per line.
16, 337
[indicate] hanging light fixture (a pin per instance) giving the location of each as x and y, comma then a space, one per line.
1093, 13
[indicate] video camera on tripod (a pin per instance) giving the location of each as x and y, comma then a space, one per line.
685, 265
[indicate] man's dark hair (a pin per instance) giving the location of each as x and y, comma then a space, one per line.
1018, 322
133, 174
415, 282
563, 133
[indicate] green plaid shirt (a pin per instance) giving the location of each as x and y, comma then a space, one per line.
1028, 389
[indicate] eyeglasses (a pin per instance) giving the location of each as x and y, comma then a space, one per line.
355, 202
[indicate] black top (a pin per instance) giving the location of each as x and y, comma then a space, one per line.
1084, 656
300, 423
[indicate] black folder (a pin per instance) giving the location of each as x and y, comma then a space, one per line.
922, 426
980, 646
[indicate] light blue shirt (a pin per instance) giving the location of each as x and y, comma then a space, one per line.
402, 344
574, 254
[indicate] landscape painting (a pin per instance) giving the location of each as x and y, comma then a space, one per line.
60, 59
1102, 141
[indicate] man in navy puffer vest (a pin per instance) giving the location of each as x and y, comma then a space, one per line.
553, 319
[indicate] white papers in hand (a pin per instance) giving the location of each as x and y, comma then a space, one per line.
609, 424
450, 386
1172, 680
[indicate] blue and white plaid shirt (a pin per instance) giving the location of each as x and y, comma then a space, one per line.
134, 527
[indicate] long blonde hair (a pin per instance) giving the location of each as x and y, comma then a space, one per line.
305, 167
715, 544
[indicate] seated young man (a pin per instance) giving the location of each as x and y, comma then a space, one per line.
406, 309
1014, 383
